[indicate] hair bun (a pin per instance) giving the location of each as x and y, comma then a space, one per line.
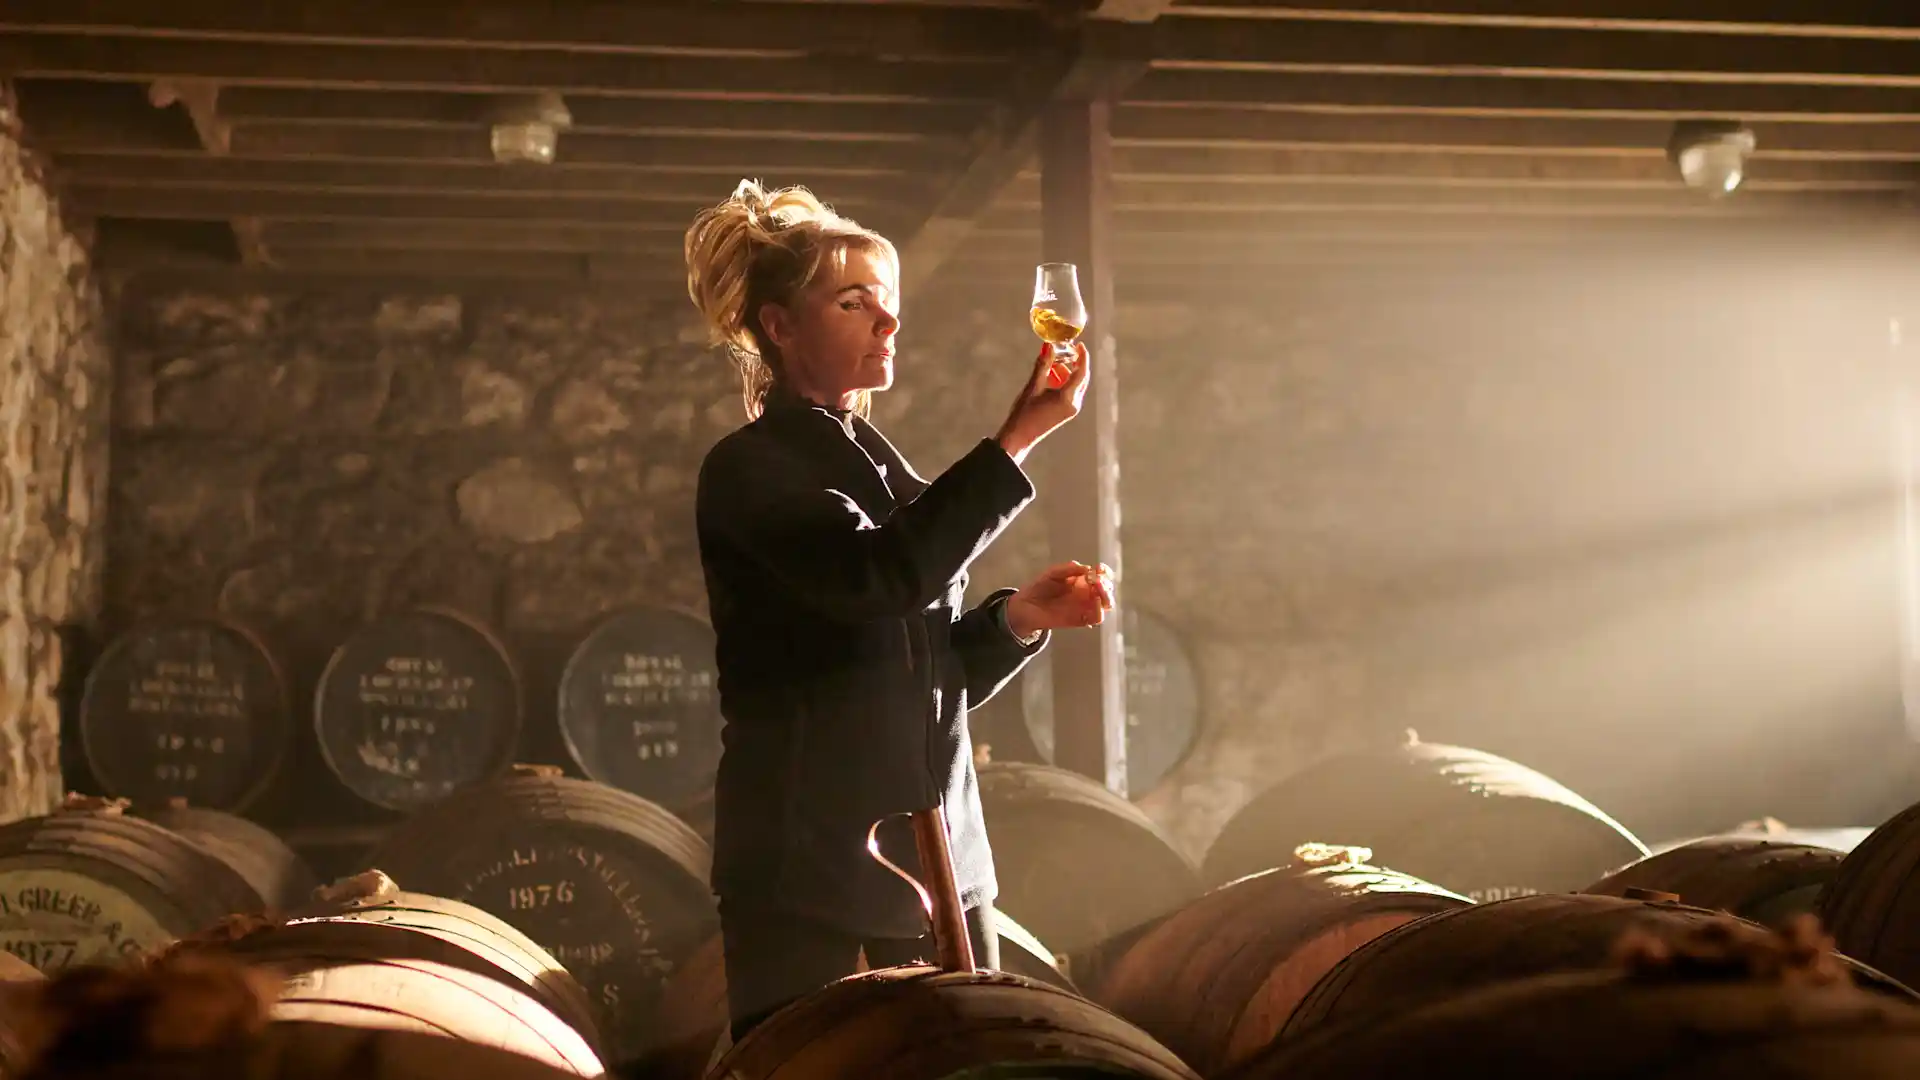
758, 246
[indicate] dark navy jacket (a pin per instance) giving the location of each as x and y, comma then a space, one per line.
835, 576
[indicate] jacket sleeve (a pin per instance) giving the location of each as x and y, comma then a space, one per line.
988, 651
818, 543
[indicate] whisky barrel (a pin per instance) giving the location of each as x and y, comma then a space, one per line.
1752, 877
614, 887
1872, 905
1217, 980
639, 708
1076, 863
1842, 840
1468, 947
692, 1017
194, 709
314, 1050
1605, 1025
1467, 820
425, 963
275, 871
1163, 700
415, 705
692, 1022
921, 1023
89, 884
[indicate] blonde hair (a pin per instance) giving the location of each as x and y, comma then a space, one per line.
758, 247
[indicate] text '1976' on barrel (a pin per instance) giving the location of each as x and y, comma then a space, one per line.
415, 705
611, 885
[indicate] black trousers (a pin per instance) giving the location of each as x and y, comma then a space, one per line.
775, 957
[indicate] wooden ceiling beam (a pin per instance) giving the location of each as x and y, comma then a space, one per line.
1212, 202
1520, 95
201, 100
663, 240
132, 171
1221, 169
1140, 125
40, 56
665, 154
1784, 16
1227, 166
859, 121
1386, 206
613, 28
1107, 56
1316, 45
199, 204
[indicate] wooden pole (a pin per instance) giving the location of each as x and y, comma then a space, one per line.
1081, 496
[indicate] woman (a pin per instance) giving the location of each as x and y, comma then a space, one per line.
835, 576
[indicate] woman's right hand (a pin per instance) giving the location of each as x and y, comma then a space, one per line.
1042, 406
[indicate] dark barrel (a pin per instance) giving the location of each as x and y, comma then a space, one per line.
1605, 1025
920, 1023
692, 1022
1754, 878
275, 871
1455, 951
692, 1017
192, 708
1466, 820
424, 963
639, 709
1076, 863
88, 883
416, 704
614, 887
1872, 905
313, 1050
1216, 980
1163, 700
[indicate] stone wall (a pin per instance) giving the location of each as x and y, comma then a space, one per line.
53, 444
1629, 526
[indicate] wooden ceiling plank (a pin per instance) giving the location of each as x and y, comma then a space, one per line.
476, 236
1137, 125
883, 121
1209, 172
1788, 16
613, 28
1519, 95
1259, 166
664, 154
1311, 45
486, 71
1468, 209
187, 204
118, 170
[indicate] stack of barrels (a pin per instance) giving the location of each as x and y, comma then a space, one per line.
1374, 914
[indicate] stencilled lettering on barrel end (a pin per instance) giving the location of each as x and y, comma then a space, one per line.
55, 919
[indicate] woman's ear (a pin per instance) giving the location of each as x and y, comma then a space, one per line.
776, 322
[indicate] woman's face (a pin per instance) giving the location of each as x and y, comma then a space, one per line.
836, 337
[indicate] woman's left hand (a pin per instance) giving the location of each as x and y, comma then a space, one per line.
1068, 595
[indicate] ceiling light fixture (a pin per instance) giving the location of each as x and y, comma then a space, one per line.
527, 128
1711, 155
